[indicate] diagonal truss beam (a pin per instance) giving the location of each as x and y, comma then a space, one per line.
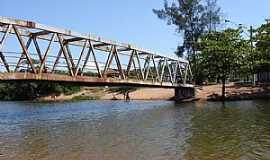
114, 55
147, 65
90, 51
66, 55
43, 59
1, 47
24, 48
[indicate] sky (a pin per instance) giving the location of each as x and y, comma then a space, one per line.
126, 21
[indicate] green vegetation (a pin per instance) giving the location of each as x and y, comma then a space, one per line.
33, 90
84, 98
261, 54
222, 54
217, 54
228, 55
192, 18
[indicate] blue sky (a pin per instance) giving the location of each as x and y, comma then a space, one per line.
125, 21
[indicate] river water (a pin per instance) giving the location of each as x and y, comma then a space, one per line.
137, 130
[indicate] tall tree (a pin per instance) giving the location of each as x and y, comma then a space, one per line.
213, 15
192, 18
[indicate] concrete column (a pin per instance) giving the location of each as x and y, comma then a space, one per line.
182, 93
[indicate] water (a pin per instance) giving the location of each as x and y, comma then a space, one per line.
158, 130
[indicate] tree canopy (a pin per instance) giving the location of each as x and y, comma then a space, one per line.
262, 48
222, 54
192, 18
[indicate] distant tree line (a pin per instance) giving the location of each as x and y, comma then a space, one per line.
32, 90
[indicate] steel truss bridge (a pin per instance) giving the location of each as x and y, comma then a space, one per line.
31, 51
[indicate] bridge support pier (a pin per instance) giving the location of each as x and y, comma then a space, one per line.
181, 93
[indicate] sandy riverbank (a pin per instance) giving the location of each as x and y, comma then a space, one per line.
203, 93
144, 94
103, 94
233, 92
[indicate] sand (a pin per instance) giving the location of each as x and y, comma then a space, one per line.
144, 94
203, 93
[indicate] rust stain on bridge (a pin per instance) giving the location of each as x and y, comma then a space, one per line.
68, 56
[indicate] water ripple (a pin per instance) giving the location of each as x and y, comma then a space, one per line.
112, 130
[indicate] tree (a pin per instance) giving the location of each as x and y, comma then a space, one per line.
213, 15
192, 18
222, 54
33, 90
262, 51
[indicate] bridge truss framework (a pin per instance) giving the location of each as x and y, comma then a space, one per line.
52, 54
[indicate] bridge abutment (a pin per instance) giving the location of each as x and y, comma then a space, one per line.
181, 93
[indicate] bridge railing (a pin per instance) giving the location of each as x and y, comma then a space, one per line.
35, 48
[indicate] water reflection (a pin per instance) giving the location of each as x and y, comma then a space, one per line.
136, 130
234, 130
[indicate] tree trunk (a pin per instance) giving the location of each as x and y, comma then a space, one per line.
223, 88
